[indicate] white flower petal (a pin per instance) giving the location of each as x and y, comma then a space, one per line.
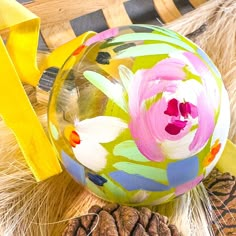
100, 129
186, 91
178, 149
91, 154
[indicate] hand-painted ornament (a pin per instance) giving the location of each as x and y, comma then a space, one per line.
140, 114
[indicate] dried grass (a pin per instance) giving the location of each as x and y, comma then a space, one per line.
30, 208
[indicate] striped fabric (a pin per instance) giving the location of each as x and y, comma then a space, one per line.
63, 20
222, 192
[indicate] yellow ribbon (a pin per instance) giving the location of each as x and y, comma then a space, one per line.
227, 162
18, 63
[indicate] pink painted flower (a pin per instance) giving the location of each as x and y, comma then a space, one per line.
173, 112
102, 36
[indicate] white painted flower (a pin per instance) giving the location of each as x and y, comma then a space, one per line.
92, 132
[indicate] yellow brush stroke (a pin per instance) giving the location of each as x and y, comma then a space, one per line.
227, 162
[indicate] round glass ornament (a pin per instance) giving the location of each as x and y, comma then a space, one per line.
139, 114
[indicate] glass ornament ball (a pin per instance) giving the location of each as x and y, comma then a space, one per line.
139, 115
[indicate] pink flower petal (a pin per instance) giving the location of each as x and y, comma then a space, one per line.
148, 83
198, 64
135, 93
194, 111
156, 120
206, 123
150, 88
141, 89
209, 81
102, 36
188, 186
167, 69
144, 140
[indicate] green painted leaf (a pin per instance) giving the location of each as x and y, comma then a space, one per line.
146, 50
54, 131
114, 190
152, 100
162, 30
155, 37
95, 189
114, 91
126, 76
129, 150
156, 174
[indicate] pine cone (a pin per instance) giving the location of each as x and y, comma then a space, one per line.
222, 192
119, 220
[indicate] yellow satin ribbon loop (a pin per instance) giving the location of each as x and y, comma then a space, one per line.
22, 42
19, 115
18, 62
57, 57
227, 162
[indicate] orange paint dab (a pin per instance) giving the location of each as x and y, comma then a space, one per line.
74, 138
211, 156
78, 50
216, 149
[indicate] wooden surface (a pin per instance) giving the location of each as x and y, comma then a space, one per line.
55, 11
62, 20
167, 10
196, 3
116, 15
